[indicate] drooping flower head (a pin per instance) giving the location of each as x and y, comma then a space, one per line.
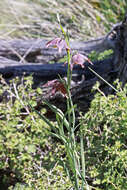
79, 59
56, 86
58, 43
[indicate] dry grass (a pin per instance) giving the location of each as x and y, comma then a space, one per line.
83, 19
37, 18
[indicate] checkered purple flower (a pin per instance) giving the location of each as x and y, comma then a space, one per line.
56, 86
79, 59
58, 43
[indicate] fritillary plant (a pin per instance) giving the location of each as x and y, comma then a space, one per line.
74, 164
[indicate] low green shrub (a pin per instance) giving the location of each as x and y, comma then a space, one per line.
100, 56
105, 134
30, 157
28, 154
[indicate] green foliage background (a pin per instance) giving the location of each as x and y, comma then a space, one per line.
105, 129
30, 158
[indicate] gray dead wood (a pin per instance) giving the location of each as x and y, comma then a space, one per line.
31, 56
34, 50
19, 56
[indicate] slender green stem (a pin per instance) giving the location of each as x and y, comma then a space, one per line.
69, 72
103, 79
82, 158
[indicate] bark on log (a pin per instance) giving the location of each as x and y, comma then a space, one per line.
18, 56
50, 71
34, 50
29, 56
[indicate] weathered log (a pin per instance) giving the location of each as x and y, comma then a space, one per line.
18, 56
30, 56
34, 50
50, 71
120, 61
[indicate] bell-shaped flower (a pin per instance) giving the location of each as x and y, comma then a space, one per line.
58, 43
79, 59
56, 86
